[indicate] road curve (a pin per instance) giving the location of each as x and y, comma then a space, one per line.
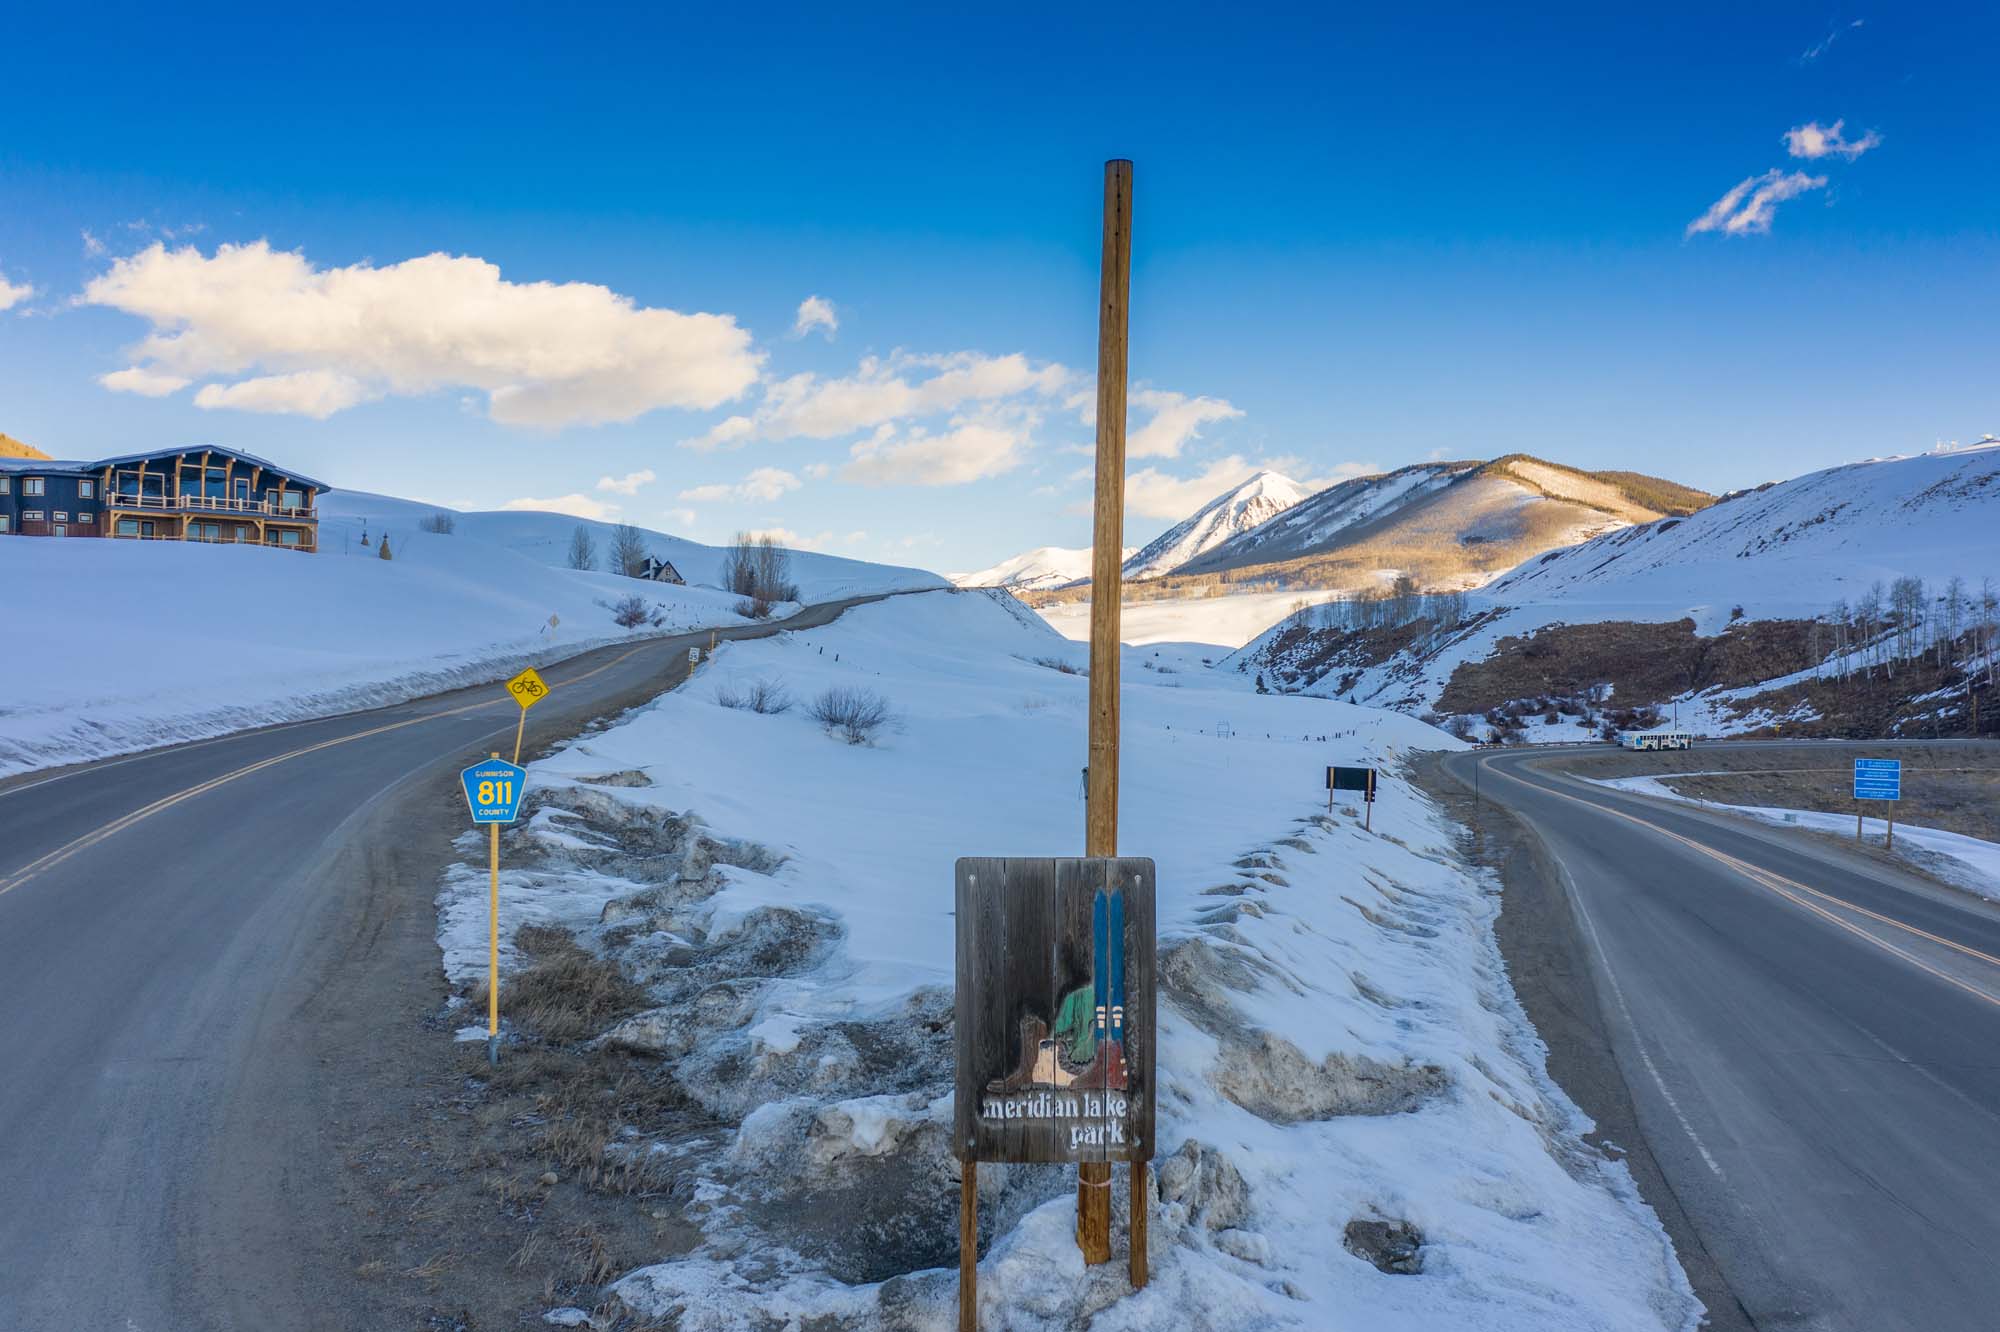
153, 911
1811, 1041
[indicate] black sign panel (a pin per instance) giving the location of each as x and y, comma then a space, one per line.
1352, 779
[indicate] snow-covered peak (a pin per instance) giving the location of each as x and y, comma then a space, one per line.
1045, 566
1235, 511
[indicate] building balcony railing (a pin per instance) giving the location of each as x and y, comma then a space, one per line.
210, 504
268, 543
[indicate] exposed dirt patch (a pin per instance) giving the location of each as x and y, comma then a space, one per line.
1645, 663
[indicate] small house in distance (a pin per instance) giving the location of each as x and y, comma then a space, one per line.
657, 570
193, 494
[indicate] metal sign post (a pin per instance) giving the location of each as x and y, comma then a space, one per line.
493, 794
527, 689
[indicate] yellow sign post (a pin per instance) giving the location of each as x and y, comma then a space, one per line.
527, 689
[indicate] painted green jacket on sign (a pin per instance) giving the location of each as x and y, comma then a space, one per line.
1076, 1025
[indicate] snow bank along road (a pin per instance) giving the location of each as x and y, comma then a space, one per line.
1809, 1039
156, 914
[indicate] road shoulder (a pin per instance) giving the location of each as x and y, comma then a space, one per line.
1549, 966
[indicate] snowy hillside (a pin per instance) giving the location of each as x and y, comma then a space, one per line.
1230, 514
1783, 553
181, 641
545, 538
1337, 1037
1043, 567
1312, 525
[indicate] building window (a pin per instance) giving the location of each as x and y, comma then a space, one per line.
86, 490
60, 530
6, 485
32, 515
85, 519
31, 485
128, 527
3, 522
287, 537
61, 516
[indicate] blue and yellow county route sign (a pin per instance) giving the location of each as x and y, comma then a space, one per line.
493, 790
528, 688
1878, 779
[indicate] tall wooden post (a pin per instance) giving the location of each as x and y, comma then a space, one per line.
1093, 1184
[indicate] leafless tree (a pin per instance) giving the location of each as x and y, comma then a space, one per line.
628, 550
760, 569
582, 548
443, 523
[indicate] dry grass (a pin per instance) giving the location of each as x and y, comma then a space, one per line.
567, 993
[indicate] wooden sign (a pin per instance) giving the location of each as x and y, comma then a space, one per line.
1055, 1009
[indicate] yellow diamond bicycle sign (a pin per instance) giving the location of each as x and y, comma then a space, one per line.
528, 688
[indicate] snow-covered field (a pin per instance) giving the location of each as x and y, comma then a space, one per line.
144, 643
1338, 1036
1223, 622
1970, 862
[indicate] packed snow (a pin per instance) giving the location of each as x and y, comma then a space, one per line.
1221, 623
159, 641
1339, 1042
1043, 567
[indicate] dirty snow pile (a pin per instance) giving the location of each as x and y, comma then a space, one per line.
150, 642
1355, 1122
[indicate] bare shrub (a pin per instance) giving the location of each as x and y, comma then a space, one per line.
769, 697
1058, 664
568, 994
855, 715
441, 523
754, 608
631, 612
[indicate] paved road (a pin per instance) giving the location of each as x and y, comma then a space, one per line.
161, 919
1811, 1042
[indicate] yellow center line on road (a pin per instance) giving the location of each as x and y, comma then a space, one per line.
1791, 890
118, 825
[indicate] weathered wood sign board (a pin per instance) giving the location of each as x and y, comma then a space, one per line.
1055, 1009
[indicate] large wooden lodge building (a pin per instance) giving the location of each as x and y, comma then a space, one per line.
195, 494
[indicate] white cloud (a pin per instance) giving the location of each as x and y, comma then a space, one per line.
816, 312
1747, 209
629, 483
1176, 419
966, 451
1151, 493
1819, 48
545, 354
1814, 140
92, 246
763, 484
576, 506
13, 293
145, 383
884, 390
315, 393
681, 517
785, 536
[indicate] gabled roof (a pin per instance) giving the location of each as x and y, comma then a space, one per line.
239, 454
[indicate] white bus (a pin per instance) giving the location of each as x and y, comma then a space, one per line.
1656, 740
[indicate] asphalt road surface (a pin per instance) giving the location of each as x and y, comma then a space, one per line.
164, 921
1811, 1042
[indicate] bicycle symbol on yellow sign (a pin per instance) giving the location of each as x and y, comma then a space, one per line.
527, 689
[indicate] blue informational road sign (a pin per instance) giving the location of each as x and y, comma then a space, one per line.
493, 790
1878, 779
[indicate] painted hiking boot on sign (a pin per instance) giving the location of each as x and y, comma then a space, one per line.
1040, 1066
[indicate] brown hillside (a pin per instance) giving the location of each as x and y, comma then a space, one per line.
14, 448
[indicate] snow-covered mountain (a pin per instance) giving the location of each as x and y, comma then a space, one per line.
1233, 513
1451, 523
1747, 575
1042, 567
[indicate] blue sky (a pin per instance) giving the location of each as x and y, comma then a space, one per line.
1360, 242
